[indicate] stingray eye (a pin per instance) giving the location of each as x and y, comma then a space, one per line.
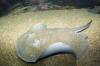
36, 43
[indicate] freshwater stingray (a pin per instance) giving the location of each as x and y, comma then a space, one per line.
40, 41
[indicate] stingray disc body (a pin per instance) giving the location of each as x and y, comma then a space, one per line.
41, 41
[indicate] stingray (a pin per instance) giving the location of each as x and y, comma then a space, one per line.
40, 41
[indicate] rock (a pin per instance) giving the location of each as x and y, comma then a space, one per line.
95, 10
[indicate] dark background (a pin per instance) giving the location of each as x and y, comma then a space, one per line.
6, 4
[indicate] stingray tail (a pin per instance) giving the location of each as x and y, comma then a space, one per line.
79, 29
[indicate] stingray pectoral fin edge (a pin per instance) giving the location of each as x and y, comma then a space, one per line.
57, 48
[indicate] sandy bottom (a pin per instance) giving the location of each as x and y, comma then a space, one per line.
12, 26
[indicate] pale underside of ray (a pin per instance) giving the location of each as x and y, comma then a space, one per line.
62, 47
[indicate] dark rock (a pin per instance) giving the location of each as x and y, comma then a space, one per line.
95, 10
85, 3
